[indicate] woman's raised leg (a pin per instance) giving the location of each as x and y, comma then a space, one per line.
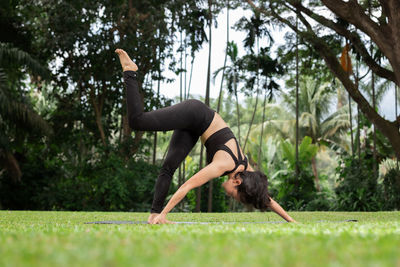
191, 115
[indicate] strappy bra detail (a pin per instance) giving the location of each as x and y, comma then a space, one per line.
238, 161
217, 142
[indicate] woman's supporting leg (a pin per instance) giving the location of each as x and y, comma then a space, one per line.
181, 144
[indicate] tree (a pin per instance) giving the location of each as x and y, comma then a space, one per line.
83, 37
382, 30
226, 56
254, 32
207, 100
232, 74
314, 118
17, 117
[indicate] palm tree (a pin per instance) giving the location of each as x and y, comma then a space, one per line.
255, 28
232, 77
16, 112
254, 32
226, 55
314, 118
207, 100
268, 132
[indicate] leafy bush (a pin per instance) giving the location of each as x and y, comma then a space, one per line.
295, 192
358, 189
391, 189
323, 201
58, 183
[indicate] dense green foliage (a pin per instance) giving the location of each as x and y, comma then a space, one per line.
64, 139
293, 191
391, 183
62, 239
107, 184
358, 189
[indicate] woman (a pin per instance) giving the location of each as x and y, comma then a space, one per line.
189, 120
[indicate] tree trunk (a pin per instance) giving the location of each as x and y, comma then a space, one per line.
375, 169
136, 142
97, 107
180, 72
262, 133
184, 98
351, 129
255, 106
357, 80
226, 56
12, 165
198, 189
155, 133
180, 180
395, 110
190, 78
297, 103
373, 104
237, 106
315, 171
185, 83
210, 188
250, 123
126, 129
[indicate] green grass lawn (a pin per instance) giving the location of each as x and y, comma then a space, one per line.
62, 239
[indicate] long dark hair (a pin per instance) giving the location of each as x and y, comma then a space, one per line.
254, 189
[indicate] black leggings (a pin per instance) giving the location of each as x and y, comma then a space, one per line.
189, 119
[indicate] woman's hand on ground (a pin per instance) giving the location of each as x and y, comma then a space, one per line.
161, 219
151, 217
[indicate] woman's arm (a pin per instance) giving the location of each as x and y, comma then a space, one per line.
209, 172
275, 207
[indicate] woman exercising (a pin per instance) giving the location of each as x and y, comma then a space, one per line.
190, 120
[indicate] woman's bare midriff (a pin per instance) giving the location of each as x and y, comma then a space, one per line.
216, 124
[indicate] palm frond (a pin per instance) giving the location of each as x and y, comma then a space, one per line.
19, 113
12, 56
336, 123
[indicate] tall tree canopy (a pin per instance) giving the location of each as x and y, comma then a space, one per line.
80, 37
359, 22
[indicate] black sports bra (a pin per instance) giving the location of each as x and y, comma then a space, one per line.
217, 142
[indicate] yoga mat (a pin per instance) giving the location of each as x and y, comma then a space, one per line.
145, 222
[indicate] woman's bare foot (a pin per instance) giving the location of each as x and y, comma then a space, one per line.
126, 61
